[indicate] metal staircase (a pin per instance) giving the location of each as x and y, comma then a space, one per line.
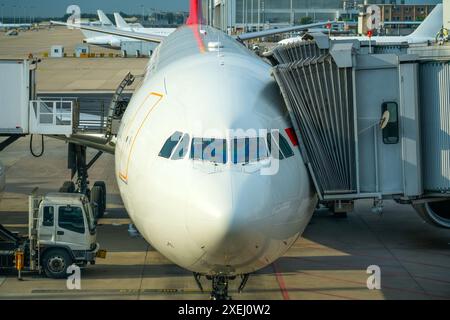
117, 106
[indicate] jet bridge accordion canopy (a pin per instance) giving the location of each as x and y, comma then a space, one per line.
319, 96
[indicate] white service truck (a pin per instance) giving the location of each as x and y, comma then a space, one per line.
61, 232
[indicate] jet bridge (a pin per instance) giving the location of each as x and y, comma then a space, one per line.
372, 121
23, 113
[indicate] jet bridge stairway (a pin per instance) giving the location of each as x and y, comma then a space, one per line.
117, 107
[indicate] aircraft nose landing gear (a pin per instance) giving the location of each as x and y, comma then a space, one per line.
220, 287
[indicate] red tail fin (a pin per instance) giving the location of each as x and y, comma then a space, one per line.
195, 13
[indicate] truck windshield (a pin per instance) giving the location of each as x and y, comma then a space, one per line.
71, 218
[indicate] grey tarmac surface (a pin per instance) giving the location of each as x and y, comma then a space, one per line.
328, 262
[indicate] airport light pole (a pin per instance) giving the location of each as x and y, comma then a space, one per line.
251, 12
292, 13
259, 15
14, 13
3, 8
143, 13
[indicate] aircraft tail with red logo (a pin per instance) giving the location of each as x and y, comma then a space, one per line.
195, 13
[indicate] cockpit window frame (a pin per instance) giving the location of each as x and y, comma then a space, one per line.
284, 149
192, 152
249, 154
170, 145
182, 146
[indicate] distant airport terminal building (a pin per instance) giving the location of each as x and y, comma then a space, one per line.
239, 15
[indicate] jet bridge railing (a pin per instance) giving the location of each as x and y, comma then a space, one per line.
88, 115
51, 117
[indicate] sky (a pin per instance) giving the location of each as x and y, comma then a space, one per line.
46, 8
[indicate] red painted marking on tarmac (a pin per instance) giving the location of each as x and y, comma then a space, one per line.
281, 283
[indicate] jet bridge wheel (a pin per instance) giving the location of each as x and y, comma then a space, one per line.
339, 209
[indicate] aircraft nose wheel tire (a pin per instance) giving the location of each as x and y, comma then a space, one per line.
102, 185
220, 288
55, 263
98, 198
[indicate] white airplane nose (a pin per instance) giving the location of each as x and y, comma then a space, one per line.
231, 220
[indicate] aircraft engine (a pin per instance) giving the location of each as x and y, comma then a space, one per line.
435, 213
115, 43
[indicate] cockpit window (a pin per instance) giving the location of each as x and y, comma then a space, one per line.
208, 149
281, 148
182, 148
248, 150
170, 144
285, 147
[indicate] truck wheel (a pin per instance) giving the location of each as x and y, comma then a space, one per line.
67, 187
97, 198
55, 263
102, 185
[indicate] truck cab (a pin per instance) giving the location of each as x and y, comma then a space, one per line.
65, 231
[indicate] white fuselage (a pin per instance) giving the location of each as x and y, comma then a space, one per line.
210, 218
376, 40
15, 25
426, 32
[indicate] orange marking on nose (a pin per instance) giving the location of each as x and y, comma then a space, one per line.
124, 176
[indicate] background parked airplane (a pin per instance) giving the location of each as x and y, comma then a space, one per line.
427, 31
113, 41
8, 26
